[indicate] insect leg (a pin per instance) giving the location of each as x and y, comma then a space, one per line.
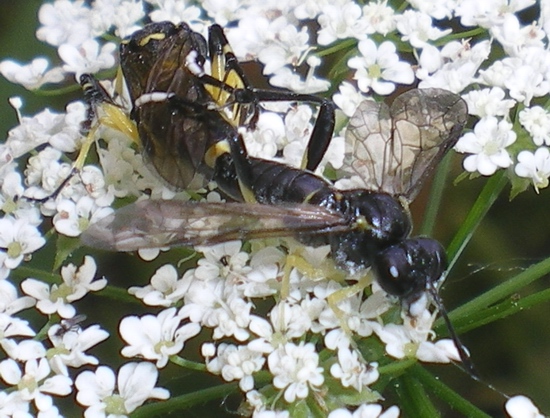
322, 130
243, 167
226, 69
102, 110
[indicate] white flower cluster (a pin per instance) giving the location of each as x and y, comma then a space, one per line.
217, 295
302, 341
35, 369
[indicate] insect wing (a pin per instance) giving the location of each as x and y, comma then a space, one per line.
171, 111
160, 223
393, 149
150, 57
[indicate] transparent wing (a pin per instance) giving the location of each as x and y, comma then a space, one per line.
393, 149
160, 223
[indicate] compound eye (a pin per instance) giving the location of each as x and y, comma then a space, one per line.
393, 272
405, 269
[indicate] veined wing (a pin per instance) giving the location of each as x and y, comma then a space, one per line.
160, 223
393, 149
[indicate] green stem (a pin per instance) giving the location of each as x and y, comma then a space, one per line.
445, 393
502, 291
57, 92
500, 311
486, 198
184, 402
414, 401
436, 195
396, 367
461, 35
348, 43
180, 361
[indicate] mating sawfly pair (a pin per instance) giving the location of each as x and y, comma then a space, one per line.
188, 123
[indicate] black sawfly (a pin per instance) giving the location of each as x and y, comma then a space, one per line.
188, 123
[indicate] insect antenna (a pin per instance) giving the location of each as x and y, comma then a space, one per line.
465, 359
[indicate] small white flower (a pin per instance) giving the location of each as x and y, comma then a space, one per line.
64, 21
222, 260
135, 383
31, 76
536, 121
269, 135
262, 280
352, 370
23, 350
379, 16
417, 28
287, 78
10, 302
34, 384
69, 347
72, 218
411, 339
156, 337
366, 411
14, 327
18, 238
488, 102
442, 351
62, 131
535, 166
286, 322
340, 22
236, 363
437, 9
513, 37
360, 316
287, 46
177, 11
348, 98
487, 144
165, 288
232, 319
13, 404
123, 15
526, 83
378, 68
87, 58
295, 369
76, 284
488, 13
455, 67
522, 407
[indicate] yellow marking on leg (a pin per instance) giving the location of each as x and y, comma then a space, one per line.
294, 261
335, 298
112, 117
115, 118
215, 151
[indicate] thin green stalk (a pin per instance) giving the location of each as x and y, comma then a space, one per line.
184, 402
192, 365
501, 291
397, 367
436, 195
413, 399
485, 200
445, 393
500, 311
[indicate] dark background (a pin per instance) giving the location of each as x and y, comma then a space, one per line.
512, 354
